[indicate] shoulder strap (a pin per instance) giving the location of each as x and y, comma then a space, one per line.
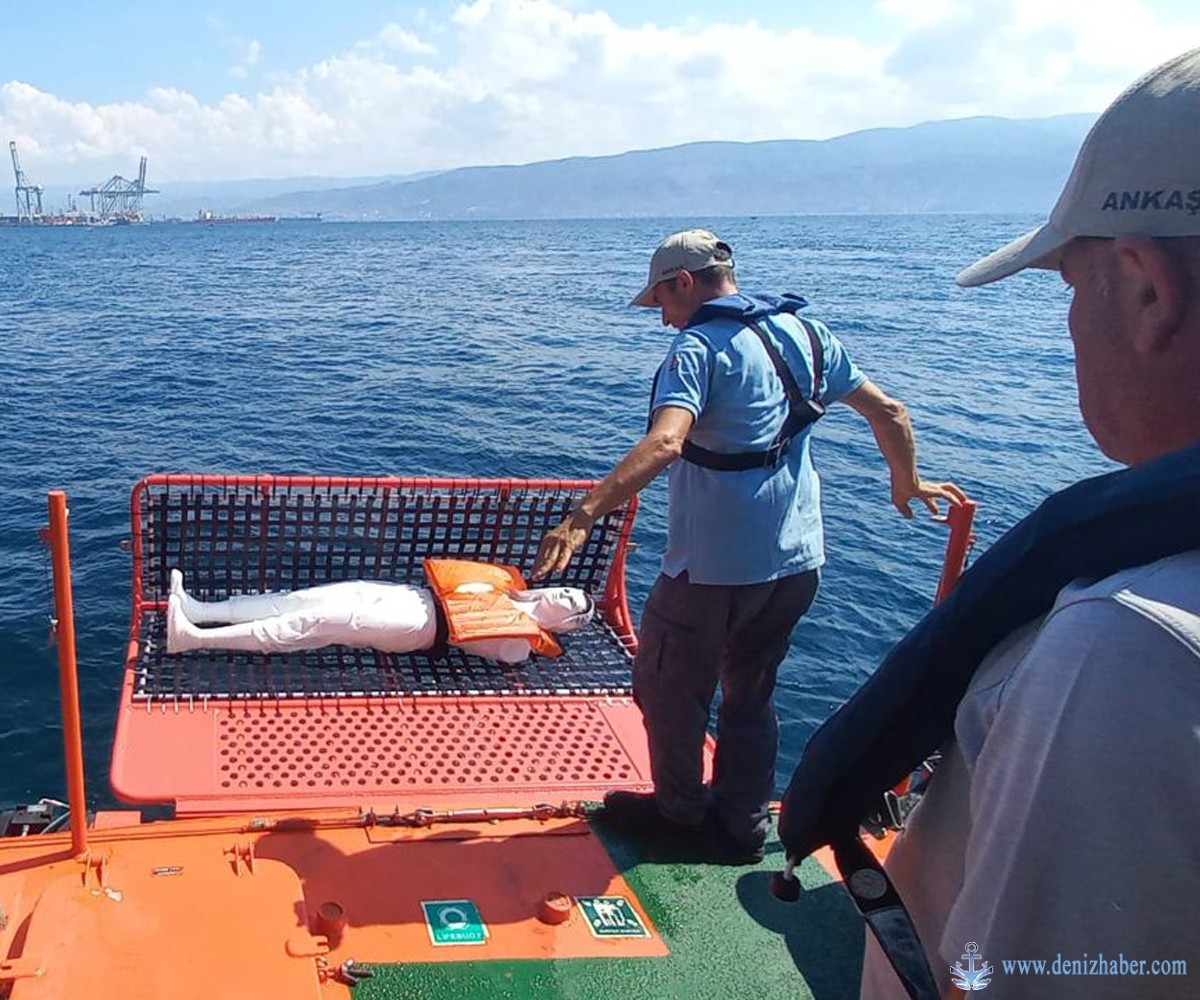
790, 387
818, 356
801, 411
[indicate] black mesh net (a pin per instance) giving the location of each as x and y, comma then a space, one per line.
241, 536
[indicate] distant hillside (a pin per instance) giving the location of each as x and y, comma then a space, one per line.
186, 198
969, 165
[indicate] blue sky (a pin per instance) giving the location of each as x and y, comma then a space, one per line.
140, 44
266, 88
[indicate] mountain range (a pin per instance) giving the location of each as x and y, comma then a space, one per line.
966, 165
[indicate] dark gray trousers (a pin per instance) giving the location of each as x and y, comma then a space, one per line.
693, 636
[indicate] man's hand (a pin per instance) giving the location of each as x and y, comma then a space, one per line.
893, 432
903, 493
561, 543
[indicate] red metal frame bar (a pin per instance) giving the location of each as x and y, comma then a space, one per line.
960, 518
68, 674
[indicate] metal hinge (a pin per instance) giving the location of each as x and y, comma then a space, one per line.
239, 855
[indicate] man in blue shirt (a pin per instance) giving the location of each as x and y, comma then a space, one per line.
734, 399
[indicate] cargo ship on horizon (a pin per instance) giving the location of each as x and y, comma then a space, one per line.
212, 218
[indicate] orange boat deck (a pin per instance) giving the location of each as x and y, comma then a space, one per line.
416, 835
215, 907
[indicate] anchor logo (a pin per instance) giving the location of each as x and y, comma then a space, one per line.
971, 978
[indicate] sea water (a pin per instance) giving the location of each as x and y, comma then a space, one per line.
485, 349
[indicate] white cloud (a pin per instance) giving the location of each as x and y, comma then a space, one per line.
521, 80
250, 55
392, 36
1034, 57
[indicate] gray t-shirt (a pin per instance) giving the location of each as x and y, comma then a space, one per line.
1064, 821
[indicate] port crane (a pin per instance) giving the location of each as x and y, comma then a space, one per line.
29, 196
120, 200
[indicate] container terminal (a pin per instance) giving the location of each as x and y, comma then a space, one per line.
114, 202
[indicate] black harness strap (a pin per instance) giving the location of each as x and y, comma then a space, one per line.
802, 411
881, 907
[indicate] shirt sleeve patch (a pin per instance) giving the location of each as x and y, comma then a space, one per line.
683, 377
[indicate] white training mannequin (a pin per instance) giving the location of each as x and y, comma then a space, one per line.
390, 617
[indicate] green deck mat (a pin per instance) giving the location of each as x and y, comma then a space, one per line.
729, 938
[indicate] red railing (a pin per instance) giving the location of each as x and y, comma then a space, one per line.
68, 674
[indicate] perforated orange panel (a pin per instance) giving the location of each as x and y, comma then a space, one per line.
473, 750
464, 745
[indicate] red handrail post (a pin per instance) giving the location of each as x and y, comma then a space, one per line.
68, 674
960, 517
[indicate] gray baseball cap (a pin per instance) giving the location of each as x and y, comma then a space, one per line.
1137, 173
691, 250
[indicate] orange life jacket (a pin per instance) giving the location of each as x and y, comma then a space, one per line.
484, 614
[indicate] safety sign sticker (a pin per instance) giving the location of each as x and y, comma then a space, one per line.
454, 921
611, 916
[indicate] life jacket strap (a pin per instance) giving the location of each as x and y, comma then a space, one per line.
441, 640
876, 898
897, 803
802, 411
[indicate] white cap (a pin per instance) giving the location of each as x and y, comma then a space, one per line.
1137, 173
691, 250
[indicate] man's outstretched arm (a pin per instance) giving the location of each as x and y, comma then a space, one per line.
894, 435
662, 444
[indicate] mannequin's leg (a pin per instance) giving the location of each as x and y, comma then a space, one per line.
277, 634
326, 599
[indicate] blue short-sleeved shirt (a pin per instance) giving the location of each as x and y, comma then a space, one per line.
759, 524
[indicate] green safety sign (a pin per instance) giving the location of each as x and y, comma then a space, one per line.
454, 921
611, 916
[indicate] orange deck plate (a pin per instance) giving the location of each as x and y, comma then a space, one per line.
504, 868
437, 752
208, 907
145, 936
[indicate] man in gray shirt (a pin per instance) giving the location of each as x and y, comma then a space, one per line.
1061, 824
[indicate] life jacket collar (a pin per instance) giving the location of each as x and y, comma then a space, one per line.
746, 308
